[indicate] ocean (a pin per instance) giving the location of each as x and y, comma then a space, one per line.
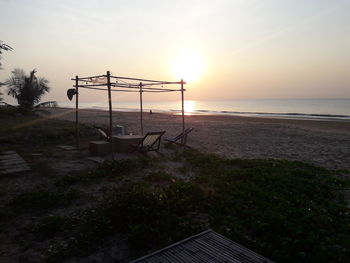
338, 109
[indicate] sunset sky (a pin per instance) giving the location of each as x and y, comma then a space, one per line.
230, 49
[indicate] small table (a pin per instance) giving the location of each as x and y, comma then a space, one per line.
122, 143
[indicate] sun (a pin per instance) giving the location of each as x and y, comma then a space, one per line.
188, 66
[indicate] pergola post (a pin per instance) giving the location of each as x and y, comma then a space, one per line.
110, 113
182, 109
76, 109
141, 109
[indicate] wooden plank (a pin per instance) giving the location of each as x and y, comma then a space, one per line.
15, 161
66, 147
15, 166
11, 162
9, 152
9, 156
207, 246
16, 170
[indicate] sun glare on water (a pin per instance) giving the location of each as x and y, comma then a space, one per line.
188, 66
189, 106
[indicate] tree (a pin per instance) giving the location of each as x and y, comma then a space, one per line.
5, 47
26, 89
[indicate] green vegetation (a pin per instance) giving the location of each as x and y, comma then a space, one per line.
4, 47
49, 225
35, 132
26, 89
148, 217
158, 176
43, 199
287, 211
106, 169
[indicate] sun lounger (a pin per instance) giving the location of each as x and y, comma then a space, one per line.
180, 139
104, 134
150, 142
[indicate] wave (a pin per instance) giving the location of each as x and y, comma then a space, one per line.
271, 114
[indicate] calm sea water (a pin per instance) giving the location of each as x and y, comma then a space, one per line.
285, 108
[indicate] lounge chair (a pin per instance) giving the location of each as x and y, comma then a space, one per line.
150, 142
104, 134
180, 139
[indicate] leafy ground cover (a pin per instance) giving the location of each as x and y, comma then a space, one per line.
106, 169
287, 211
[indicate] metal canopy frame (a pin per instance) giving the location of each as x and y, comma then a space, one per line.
111, 83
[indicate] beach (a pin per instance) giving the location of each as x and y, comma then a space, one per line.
321, 142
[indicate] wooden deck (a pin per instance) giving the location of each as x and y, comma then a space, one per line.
207, 246
11, 162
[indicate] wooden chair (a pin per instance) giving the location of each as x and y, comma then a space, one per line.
180, 139
150, 142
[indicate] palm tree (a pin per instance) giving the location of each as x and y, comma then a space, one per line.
27, 90
5, 47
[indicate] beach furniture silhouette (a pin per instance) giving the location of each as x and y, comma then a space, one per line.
180, 139
150, 142
104, 133
101, 147
123, 143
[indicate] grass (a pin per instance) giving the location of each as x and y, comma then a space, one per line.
116, 168
148, 217
158, 177
287, 211
43, 199
49, 226
33, 132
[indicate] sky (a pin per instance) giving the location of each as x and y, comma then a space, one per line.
238, 49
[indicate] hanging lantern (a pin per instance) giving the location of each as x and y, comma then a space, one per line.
71, 93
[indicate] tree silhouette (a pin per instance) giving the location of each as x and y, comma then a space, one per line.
4, 47
26, 89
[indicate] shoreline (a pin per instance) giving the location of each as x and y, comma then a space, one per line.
334, 124
273, 115
321, 142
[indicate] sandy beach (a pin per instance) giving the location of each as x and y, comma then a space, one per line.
321, 142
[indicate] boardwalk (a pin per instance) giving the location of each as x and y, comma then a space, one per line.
207, 246
11, 162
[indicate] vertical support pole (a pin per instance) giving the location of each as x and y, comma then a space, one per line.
110, 113
76, 110
183, 110
141, 109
